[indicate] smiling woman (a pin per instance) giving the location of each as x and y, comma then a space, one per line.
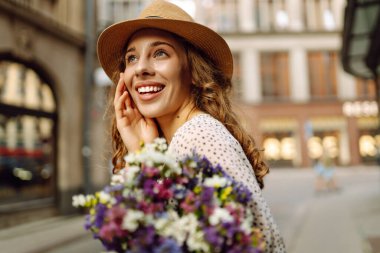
173, 81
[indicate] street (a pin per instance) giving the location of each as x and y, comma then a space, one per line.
320, 222
343, 221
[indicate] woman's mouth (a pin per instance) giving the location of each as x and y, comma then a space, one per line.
149, 92
149, 89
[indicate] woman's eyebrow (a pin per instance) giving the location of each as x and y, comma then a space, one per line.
158, 43
153, 44
131, 49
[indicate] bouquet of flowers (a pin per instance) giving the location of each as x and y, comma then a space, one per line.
159, 205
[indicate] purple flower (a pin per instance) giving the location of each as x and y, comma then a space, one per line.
212, 236
243, 195
99, 216
207, 196
148, 187
88, 223
168, 246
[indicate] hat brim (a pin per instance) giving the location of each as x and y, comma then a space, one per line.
112, 41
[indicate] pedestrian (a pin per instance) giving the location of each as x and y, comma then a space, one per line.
173, 79
325, 170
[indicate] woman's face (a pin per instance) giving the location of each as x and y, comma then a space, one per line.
157, 74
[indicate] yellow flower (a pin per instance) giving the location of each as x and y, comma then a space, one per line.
225, 193
197, 189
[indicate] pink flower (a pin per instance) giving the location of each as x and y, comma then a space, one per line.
188, 205
111, 230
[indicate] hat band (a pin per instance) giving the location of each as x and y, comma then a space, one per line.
153, 17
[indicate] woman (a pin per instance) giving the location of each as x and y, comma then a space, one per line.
173, 79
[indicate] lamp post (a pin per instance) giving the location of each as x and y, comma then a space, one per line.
87, 94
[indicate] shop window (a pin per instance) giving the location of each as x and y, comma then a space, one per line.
279, 149
274, 68
323, 75
324, 142
369, 146
27, 135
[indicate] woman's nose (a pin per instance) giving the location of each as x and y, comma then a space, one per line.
143, 67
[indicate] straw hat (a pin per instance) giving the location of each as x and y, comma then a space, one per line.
168, 17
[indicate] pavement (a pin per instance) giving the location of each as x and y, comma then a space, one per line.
346, 221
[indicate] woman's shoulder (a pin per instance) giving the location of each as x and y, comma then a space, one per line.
202, 125
203, 131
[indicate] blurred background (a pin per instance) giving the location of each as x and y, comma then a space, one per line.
306, 83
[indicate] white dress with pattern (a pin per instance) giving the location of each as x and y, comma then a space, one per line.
207, 136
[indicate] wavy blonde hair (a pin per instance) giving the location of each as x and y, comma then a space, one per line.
211, 90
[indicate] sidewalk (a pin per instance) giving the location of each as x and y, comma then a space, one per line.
346, 222
49, 235
333, 222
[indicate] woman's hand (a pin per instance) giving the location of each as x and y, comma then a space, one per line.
132, 125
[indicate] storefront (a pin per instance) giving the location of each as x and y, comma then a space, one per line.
28, 117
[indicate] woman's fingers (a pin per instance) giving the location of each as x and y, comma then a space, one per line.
120, 105
120, 88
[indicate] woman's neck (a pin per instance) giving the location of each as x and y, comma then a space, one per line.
170, 123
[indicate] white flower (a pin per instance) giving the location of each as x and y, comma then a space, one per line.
130, 174
215, 181
196, 242
130, 158
131, 219
117, 179
220, 215
104, 197
246, 225
79, 200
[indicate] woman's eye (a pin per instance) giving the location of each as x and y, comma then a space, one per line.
131, 58
160, 53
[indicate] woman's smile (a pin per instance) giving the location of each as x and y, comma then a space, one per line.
149, 90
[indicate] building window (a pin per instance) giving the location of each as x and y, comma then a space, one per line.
272, 15
275, 76
320, 15
27, 135
220, 15
323, 75
111, 11
365, 89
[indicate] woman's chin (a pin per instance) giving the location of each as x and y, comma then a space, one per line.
149, 114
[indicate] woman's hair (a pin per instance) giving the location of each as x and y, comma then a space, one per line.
210, 91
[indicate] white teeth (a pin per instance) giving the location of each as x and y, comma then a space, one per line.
146, 89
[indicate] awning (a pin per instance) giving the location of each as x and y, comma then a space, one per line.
361, 38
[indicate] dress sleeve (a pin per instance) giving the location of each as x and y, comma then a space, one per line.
214, 141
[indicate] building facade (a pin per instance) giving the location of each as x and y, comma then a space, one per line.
299, 101
289, 84
42, 51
